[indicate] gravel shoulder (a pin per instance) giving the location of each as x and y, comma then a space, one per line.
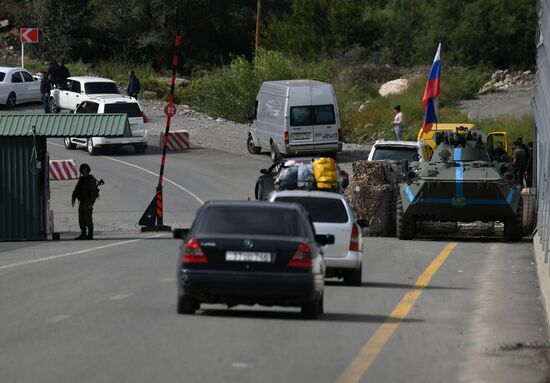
515, 102
221, 134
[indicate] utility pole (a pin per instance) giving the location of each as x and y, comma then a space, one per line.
257, 45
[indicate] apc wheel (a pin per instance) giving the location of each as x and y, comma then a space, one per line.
140, 148
513, 226
353, 277
187, 305
313, 309
68, 144
405, 225
53, 105
252, 149
92, 150
11, 101
274, 152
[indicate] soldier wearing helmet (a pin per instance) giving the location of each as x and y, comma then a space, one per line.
86, 191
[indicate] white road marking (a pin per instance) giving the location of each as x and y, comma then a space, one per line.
51, 257
58, 318
241, 365
168, 280
146, 171
119, 297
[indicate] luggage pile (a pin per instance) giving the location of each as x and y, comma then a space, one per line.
372, 194
320, 174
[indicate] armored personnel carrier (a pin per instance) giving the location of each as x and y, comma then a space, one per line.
461, 182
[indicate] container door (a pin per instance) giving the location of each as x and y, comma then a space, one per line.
325, 127
300, 131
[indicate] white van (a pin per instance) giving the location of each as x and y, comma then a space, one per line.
295, 117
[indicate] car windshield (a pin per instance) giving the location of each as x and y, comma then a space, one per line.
250, 220
320, 209
2, 76
394, 153
130, 108
101, 88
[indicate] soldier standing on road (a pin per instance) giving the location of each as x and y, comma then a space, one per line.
133, 85
45, 88
398, 123
86, 192
519, 162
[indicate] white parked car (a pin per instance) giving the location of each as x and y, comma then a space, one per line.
78, 89
17, 86
400, 151
137, 137
331, 214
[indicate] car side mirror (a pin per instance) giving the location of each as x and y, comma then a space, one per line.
324, 239
247, 116
416, 157
263, 171
180, 233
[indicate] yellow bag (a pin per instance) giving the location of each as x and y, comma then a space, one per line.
324, 170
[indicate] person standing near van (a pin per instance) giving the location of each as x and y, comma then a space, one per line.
133, 85
86, 192
398, 123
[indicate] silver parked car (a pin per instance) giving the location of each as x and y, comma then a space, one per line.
17, 86
331, 214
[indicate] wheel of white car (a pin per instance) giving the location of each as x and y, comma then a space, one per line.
11, 101
53, 105
92, 150
68, 144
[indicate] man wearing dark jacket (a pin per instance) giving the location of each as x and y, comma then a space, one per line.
62, 75
45, 88
86, 192
133, 85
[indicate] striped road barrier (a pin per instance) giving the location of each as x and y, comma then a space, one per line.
177, 140
63, 170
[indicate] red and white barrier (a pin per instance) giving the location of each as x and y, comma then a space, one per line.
63, 170
177, 140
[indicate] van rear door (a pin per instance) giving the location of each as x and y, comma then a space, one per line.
325, 115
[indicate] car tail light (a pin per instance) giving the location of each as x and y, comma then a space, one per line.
286, 137
302, 257
193, 252
144, 117
340, 135
354, 240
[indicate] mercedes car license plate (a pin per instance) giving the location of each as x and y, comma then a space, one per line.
248, 256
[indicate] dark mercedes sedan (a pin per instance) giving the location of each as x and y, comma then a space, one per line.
251, 253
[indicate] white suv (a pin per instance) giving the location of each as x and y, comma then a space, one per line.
137, 136
400, 151
331, 214
77, 89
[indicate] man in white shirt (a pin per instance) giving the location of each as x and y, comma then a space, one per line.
398, 123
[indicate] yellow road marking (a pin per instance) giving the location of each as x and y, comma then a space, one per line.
373, 347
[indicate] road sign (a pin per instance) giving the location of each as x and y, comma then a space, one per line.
170, 110
29, 35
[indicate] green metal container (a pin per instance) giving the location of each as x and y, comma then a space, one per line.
21, 188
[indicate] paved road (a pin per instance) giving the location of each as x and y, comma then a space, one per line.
104, 310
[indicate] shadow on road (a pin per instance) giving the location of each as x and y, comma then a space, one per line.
326, 317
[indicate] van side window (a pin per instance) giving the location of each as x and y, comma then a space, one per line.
300, 115
255, 117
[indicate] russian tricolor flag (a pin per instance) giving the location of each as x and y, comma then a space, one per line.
431, 94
